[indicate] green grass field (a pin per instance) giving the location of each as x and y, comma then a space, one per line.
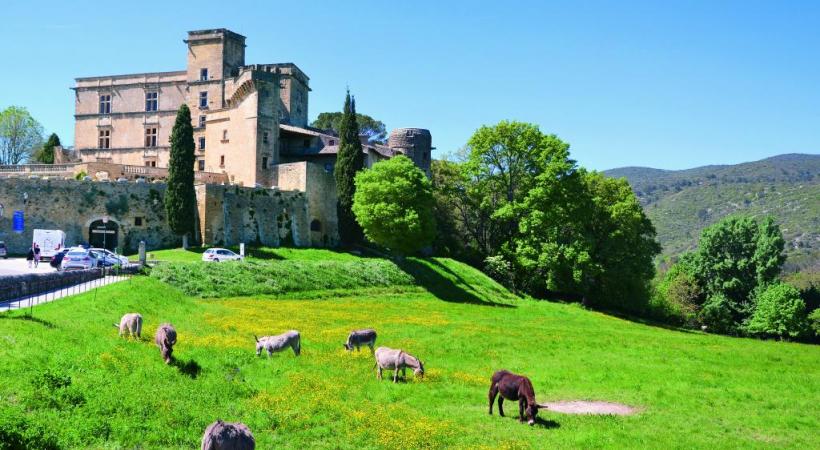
694, 390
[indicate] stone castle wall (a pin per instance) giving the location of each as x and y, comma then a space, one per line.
72, 206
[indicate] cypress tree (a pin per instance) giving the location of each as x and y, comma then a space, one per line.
46, 155
180, 197
349, 160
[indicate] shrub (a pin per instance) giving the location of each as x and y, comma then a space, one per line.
814, 322
500, 270
717, 314
681, 295
779, 312
18, 432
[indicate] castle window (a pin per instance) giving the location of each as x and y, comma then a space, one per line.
331, 142
201, 165
151, 101
408, 133
265, 137
224, 135
264, 162
150, 137
222, 161
201, 121
203, 100
202, 143
137, 221
105, 104
203, 74
315, 225
105, 139
150, 164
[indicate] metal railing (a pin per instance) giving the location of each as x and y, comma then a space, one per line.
37, 168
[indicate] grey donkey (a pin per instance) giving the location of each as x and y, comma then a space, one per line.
165, 339
130, 324
274, 344
357, 338
228, 436
395, 360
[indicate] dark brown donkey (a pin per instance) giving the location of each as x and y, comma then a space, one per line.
514, 387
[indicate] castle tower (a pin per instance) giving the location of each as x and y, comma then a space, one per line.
415, 143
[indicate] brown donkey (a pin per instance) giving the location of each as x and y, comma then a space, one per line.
514, 387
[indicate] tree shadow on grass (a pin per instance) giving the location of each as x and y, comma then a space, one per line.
28, 318
190, 368
442, 287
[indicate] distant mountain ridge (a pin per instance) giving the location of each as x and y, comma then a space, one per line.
682, 202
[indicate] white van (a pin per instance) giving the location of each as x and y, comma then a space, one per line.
50, 242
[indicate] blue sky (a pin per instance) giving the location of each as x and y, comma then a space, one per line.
662, 84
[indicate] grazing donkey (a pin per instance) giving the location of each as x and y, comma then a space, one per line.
357, 338
131, 324
395, 360
274, 344
165, 339
228, 436
514, 387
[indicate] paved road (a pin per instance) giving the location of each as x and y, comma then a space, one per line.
19, 266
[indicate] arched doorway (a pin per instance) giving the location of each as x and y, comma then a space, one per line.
103, 235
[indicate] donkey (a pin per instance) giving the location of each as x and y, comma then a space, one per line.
228, 436
274, 344
357, 338
395, 360
131, 324
514, 387
165, 339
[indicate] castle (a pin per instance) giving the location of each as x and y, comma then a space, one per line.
249, 121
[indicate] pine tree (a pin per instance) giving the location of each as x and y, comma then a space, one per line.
349, 160
180, 197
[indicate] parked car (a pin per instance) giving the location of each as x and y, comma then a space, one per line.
4, 251
111, 258
220, 254
57, 260
79, 258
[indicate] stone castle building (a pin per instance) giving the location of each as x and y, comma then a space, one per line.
250, 121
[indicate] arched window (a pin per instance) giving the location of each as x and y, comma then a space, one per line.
315, 225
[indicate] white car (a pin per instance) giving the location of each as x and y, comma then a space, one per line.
220, 254
79, 258
110, 258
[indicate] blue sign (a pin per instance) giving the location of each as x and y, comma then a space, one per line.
18, 223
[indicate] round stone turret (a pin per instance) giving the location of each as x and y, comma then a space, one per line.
415, 143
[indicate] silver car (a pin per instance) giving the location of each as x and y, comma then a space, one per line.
109, 258
79, 258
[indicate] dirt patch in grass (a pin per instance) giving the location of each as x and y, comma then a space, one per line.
590, 407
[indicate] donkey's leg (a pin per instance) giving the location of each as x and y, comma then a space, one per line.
492, 394
501, 405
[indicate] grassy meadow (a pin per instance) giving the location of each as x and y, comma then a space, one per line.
68, 381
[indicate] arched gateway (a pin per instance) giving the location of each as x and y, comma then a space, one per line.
103, 235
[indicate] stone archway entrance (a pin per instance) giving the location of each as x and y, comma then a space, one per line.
102, 235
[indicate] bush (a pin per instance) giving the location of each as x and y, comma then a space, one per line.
500, 270
717, 314
681, 295
779, 312
814, 322
18, 432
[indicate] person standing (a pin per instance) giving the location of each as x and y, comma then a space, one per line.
36, 255
30, 257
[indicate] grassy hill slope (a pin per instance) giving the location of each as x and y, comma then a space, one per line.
69, 380
681, 203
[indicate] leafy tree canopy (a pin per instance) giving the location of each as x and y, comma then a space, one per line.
20, 135
779, 312
394, 205
372, 128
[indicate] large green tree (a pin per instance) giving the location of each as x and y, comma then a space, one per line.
180, 197
45, 154
394, 205
368, 126
20, 135
349, 161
